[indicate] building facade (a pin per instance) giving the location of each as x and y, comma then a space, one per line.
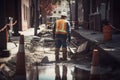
25, 14
93, 14
19, 11
61, 6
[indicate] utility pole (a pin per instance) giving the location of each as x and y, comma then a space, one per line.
76, 14
36, 21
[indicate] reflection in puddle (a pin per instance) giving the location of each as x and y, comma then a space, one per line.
80, 74
62, 72
66, 71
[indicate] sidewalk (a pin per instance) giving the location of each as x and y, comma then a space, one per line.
28, 36
111, 47
14, 44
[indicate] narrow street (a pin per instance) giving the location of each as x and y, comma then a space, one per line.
27, 46
40, 59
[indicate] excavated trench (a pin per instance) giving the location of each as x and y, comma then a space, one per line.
106, 60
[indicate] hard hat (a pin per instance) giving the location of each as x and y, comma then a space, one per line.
64, 14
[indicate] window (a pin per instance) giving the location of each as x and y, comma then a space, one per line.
25, 11
54, 11
64, 10
59, 2
94, 6
59, 12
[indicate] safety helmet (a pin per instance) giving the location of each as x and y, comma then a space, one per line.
64, 14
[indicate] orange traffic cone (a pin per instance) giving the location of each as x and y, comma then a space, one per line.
20, 63
95, 68
107, 32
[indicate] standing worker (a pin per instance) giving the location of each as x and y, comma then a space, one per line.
61, 33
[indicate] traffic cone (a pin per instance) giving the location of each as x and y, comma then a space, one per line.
107, 33
20, 63
95, 67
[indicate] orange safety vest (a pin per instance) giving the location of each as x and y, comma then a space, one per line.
61, 26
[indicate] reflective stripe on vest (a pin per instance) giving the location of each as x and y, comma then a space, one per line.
61, 27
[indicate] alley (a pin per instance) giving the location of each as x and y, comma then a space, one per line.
31, 32
40, 58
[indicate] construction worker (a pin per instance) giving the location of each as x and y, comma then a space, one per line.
61, 33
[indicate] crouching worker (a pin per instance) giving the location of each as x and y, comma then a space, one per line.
61, 34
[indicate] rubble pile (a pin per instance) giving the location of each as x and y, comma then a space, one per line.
34, 53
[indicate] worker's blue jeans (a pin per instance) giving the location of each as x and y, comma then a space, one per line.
60, 42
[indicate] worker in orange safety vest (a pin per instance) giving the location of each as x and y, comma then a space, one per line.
61, 34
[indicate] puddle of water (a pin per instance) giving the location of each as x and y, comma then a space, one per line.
62, 72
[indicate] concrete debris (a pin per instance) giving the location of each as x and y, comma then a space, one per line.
7, 72
39, 50
30, 58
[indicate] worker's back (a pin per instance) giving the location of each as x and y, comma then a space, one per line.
61, 28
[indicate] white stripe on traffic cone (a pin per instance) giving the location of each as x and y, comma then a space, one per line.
95, 68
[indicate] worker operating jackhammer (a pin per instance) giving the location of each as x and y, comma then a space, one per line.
61, 34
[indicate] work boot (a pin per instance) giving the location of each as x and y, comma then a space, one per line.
57, 54
64, 54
